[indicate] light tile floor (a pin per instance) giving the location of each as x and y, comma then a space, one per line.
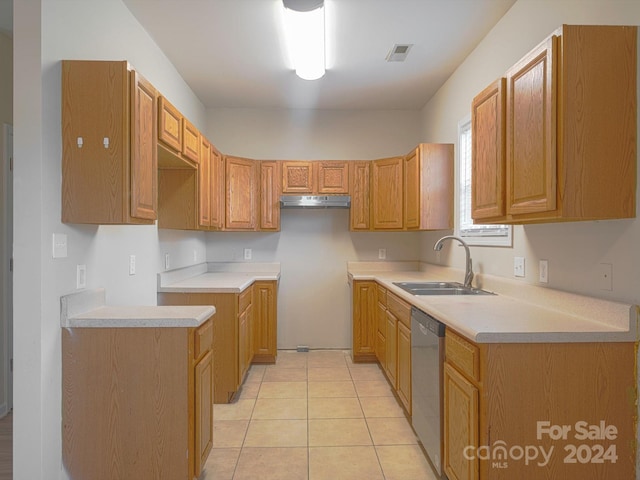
314, 416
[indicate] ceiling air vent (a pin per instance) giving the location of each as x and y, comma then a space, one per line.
399, 53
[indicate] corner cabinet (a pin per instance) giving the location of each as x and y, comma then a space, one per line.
484, 388
109, 159
562, 118
135, 400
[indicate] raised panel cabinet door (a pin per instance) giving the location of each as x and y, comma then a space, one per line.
391, 355
461, 417
169, 125
190, 141
364, 320
144, 157
270, 195
359, 182
333, 177
531, 131
204, 185
404, 366
265, 321
387, 198
217, 189
297, 177
488, 167
411, 171
203, 411
242, 194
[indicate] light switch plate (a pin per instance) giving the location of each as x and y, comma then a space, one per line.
543, 271
382, 254
247, 254
132, 264
518, 266
59, 245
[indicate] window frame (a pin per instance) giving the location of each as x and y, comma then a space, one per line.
477, 235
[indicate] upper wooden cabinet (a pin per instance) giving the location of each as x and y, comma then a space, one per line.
359, 183
570, 137
298, 177
333, 177
242, 193
204, 185
109, 160
428, 187
178, 139
217, 190
386, 194
270, 195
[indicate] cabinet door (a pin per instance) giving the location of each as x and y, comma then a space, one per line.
391, 355
204, 185
297, 177
404, 366
217, 189
265, 322
333, 177
144, 157
387, 193
488, 152
203, 411
169, 125
190, 141
411, 171
270, 195
242, 194
364, 321
531, 131
359, 180
381, 332
460, 425
243, 333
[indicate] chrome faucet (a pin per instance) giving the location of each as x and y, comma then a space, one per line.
468, 274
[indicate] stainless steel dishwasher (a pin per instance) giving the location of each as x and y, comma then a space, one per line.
427, 357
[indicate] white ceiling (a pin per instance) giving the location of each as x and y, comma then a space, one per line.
231, 52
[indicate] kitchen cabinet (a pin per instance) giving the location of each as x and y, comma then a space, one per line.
178, 140
333, 177
488, 177
391, 355
381, 318
242, 193
204, 185
484, 388
359, 188
398, 343
135, 400
386, 195
428, 187
270, 174
364, 321
563, 116
298, 177
178, 198
404, 366
265, 327
245, 322
217, 189
109, 160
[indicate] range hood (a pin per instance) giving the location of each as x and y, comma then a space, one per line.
315, 201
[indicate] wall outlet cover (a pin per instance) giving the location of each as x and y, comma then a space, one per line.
543, 271
518, 266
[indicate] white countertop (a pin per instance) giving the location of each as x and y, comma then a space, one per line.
217, 277
519, 313
87, 309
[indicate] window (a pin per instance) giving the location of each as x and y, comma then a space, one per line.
488, 235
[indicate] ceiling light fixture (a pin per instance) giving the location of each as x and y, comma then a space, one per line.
304, 24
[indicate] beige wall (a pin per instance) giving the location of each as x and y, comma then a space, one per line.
574, 250
313, 246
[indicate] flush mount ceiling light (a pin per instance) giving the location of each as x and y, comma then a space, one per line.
304, 24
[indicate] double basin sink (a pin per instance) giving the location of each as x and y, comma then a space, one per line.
439, 288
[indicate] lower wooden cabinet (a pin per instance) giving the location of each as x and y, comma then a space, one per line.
265, 328
134, 400
391, 355
404, 366
364, 321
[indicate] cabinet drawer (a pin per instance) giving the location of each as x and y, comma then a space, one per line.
400, 308
382, 295
244, 300
203, 339
463, 354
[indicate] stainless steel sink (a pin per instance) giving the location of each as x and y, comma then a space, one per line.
439, 288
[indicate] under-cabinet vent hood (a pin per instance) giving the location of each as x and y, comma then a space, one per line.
315, 201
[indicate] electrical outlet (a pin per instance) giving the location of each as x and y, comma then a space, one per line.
247, 254
132, 264
81, 276
605, 276
167, 263
543, 271
59, 245
382, 253
518, 266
